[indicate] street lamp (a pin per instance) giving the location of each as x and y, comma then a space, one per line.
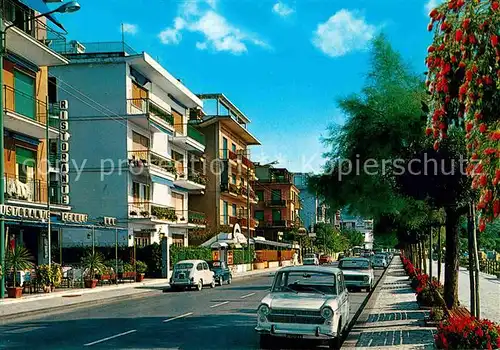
68, 7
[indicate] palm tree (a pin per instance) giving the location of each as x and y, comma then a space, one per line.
18, 259
94, 263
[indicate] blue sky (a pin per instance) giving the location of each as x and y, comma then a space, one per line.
283, 63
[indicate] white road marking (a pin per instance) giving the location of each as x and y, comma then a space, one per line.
109, 338
247, 295
177, 317
220, 304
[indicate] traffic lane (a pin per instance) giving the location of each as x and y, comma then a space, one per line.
356, 298
74, 328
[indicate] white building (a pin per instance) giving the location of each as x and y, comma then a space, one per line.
134, 156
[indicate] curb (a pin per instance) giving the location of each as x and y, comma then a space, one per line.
76, 305
370, 300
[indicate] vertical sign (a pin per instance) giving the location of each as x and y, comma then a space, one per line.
230, 257
64, 142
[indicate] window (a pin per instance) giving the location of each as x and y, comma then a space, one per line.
199, 267
233, 148
178, 202
276, 215
24, 98
225, 213
139, 94
234, 210
259, 215
233, 179
25, 165
260, 195
141, 192
275, 195
340, 283
224, 148
139, 142
205, 266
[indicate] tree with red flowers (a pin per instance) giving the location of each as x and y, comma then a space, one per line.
464, 84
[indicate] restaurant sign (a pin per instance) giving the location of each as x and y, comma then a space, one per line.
74, 217
25, 213
64, 144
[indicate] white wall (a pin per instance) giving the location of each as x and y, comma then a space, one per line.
161, 194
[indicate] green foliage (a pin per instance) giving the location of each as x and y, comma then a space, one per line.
328, 237
189, 253
490, 238
141, 267
93, 263
18, 259
128, 267
151, 255
354, 237
385, 240
242, 256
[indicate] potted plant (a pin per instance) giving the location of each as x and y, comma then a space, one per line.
17, 259
141, 269
56, 276
44, 277
93, 263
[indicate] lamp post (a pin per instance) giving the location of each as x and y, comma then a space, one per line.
69, 7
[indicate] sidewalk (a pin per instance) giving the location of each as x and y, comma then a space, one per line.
391, 318
40, 303
489, 291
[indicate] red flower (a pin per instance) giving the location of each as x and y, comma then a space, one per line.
489, 151
494, 40
468, 127
431, 49
495, 136
482, 128
482, 225
472, 39
495, 5
468, 75
436, 145
458, 35
466, 23
461, 64
445, 26
433, 13
430, 27
478, 116
487, 80
428, 131
488, 196
453, 59
496, 207
483, 180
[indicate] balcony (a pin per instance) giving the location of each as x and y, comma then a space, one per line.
141, 162
27, 115
146, 106
147, 211
242, 221
193, 141
276, 203
193, 181
190, 219
230, 188
31, 38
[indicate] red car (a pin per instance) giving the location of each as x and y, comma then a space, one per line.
325, 259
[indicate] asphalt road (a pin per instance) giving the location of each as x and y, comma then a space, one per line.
220, 318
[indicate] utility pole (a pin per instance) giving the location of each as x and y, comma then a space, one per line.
248, 218
2, 171
47, 180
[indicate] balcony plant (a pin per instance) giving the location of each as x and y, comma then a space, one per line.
141, 269
145, 213
17, 259
93, 263
164, 213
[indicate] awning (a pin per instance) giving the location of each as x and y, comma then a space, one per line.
41, 6
261, 240
160, 180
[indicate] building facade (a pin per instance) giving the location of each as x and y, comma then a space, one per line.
229, 195
134, 154
358, 223
277, 209
33, 190
313, 209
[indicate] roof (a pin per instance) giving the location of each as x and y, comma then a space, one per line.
225, 101
356, 258
311, 268
189, 261
233, 126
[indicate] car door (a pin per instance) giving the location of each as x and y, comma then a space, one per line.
198, 274
209, 275
344, 299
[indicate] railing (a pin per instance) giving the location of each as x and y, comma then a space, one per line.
146, 158
147, 106
24, 105
195, 217
22, 18
196, 135
196, 176
247, 162
118, 47
489, 266
24, 189
276, 203
146, 209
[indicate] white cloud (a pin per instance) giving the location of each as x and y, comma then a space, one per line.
342, 33
218, 33
130, 28
432, 4
282, 9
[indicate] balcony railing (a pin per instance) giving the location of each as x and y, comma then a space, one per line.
247, 162
276, 203
148, 210
147, 106
146, 158
25, 105
197, 177
197, 218
196, 135
24, 189
105, 47
22, 18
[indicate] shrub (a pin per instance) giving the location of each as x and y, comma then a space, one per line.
426, 290
436, 314
141, 267
189, 253
467, 333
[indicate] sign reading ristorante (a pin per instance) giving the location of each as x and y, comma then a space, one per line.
25, 213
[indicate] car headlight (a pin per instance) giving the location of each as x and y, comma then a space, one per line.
263, 310
367, 278
327, 313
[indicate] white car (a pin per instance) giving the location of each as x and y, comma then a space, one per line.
358, 273
310, 259
305, 302
191, 273
380, 260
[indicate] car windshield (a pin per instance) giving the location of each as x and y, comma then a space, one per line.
309, 256
183, 266
305, 282
215, 264
354, 264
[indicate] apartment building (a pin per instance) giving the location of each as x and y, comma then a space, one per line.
313, 209
277, 209
358, 223
135, 155
229, 194
34, 193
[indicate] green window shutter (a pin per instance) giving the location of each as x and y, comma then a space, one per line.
24, 86
259, 215
276, 215
25, 156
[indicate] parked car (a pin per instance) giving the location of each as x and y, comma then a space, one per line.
380, 260
310, 259
341, 256
221, 272
325, 259
358, 273
191, 273
309, 302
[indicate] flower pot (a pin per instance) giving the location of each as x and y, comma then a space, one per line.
90, 283
14, 292
139, 277
46, 289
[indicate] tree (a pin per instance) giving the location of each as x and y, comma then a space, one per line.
355, 238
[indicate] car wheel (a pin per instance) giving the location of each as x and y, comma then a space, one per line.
336, 343
174, 288
266, 341
229, 279
199, 286
212, 285
219, 281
